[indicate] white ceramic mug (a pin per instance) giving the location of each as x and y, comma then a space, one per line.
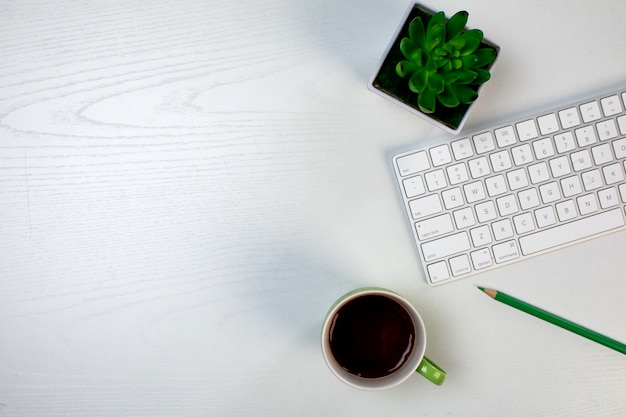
373, 338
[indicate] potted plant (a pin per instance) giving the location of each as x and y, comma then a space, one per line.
435, 66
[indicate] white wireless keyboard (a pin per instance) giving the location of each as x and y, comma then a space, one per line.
500, 195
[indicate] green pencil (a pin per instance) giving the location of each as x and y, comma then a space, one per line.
554, 319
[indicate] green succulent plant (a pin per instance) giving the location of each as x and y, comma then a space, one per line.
443, 61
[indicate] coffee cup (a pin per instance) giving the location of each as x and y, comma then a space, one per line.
373, 338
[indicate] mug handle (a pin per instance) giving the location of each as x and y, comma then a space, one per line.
431, 371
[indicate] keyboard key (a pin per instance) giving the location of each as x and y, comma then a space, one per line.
587, 204
621, 121
548, 124
570, 232
413, 186
545, 216
569, 118
445, 246
479, 167
433, 227
522, 154
502, 229
611, 105
550, 192
524, 223
590, 111
564, 142
438, 272
619, 147
496, 185
592, 180
560, 166
481, 259
412, 164
527, 130
517, 179
613, 173
464, 218
566, 210
507, 205
538, 173
460, 265
486, 211
581, 160
435, 180
543, 148
481, 236
505, 136
474, 192
457, 174
506, 251
452, 198
602, 154
484, 142
528, 199
608, 198
462, 149
586, 136
440, 155
425, 206
607, 129
571, 186
500, 161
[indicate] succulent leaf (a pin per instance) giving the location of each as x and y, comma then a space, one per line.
482, 76
438, 18
469, 61
440, 52
450, 77
472, 40
456, 24
418, 81
426, 101
448, 98
411, 50
406, 68
436, 83
440, 62
465, 94
417, 33
466, 76
485, 56
456, 43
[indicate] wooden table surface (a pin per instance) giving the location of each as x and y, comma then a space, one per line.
187, 186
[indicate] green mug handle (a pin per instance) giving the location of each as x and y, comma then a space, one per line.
431, 371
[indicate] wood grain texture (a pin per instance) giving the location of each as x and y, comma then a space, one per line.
186, 187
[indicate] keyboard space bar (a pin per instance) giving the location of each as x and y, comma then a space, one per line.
571, 232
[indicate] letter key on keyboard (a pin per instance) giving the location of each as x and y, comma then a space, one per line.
519, 189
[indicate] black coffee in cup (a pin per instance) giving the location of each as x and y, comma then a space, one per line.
372, 336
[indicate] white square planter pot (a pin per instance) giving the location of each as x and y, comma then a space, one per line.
389, 85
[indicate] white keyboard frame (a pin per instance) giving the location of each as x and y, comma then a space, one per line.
509, 146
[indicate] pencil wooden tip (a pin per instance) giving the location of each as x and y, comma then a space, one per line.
491, 293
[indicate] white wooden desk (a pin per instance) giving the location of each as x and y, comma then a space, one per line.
186, 186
